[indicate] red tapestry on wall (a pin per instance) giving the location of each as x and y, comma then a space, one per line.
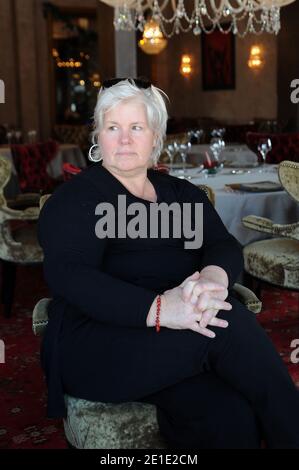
218, 61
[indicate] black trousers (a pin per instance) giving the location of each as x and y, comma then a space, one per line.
204, 412
229, 391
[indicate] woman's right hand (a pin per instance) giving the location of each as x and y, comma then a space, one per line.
176, 313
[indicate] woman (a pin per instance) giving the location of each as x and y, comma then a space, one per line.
142, 318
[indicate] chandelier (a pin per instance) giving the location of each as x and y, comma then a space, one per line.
152, 41
176, 16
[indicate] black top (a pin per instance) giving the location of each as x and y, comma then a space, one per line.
95, 276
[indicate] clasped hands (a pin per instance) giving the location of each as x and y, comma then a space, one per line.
207, 297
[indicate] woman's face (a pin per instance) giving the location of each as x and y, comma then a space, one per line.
126, 141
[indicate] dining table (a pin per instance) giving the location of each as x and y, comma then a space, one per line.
234, 204
66, 153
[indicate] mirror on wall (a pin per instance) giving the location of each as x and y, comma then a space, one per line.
75, 64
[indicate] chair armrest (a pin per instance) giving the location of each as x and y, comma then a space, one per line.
261, 224
22, 201
43, 200
40, 316
248, 298
30, 213
287, 230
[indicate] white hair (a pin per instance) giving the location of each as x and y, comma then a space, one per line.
154, 100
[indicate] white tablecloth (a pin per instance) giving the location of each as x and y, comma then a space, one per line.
233, 205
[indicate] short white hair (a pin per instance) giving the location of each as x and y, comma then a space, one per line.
152, 97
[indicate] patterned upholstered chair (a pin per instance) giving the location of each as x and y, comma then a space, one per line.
96, 425
31, 161
18, 238
237, 132
73, 134
276, 260
285, 146
132, 425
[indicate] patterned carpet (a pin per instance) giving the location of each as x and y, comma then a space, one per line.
23, 424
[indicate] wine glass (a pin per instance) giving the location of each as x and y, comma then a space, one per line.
194, 136
171, 149
18, 136
183, 150
217, 144
9, 137
264, 147
218, 132
32, 136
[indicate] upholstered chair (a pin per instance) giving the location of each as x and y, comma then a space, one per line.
97, 425
31, 161
285, 146
132, 425
73, 134
276, 260
18, 238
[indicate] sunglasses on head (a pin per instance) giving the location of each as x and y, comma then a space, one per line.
142, 83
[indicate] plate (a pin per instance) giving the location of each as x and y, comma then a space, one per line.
180, 166
256, 187
237, 166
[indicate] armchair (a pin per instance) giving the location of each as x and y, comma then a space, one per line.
18, 240
276, 260
285, 146
96, 425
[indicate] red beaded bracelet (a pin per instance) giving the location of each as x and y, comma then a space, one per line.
158, 313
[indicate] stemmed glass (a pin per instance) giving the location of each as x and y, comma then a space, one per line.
218, 132
18, 136
171, 150
264, 147
9, 137
183, 150
194, 136
217, 144
32, 136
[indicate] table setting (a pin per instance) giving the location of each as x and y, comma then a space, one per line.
242, 181
245, 192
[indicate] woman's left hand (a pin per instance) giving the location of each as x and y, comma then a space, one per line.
208, 303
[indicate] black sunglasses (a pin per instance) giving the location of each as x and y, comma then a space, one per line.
143, 83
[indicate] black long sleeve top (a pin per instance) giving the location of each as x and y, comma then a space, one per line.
115, 280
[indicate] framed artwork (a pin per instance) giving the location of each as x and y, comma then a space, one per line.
218, 61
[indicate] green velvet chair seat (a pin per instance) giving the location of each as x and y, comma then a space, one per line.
131, 425
95, 425
275, 261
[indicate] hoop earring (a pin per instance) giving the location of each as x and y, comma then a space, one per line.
90, 156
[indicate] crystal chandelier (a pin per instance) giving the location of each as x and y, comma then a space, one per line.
176, 16
152, 41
